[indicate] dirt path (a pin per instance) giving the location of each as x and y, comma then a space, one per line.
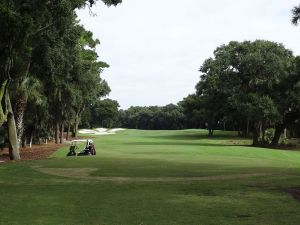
85, 174
37, 152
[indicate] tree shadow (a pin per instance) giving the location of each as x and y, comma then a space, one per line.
196, 137
180, 143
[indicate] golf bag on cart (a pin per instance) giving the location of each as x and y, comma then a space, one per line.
89, 149
72, 151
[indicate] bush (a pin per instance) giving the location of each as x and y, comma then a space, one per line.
269, 134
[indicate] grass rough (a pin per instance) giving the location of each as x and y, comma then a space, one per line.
86, 190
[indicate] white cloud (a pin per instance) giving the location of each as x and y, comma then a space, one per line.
156, 47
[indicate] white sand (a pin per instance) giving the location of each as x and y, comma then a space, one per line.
117, 129
100, 131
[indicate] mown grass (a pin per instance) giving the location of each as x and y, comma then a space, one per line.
29, 196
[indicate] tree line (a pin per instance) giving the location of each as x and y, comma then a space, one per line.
251, 87
50, 82
50, 72
169, 117
106, 113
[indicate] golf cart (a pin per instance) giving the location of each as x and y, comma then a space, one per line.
89, 148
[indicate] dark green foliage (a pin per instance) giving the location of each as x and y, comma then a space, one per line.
251, 84
169, 117
3, 102
103, 113
108, 2
41, 41
296, 15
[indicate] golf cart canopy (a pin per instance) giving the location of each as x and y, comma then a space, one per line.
84, 140
87, 151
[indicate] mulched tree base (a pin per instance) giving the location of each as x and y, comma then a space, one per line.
37, 152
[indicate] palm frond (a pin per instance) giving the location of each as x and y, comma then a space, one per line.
296, 15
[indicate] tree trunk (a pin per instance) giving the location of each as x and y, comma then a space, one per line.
263, 135
57, 133
53, 132
68, 132
290, 133
3, 103
247, 131
278, 131
256, 133
62, 128
4, 96
24, 142
31, 138
20, 107
14, 153
239, 133
76, 125
285, 133
255, 137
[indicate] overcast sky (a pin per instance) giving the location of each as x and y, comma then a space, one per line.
155, 47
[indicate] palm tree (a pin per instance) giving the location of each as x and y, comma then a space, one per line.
296, 15
28, 88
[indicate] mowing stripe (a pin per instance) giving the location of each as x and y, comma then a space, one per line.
85, 173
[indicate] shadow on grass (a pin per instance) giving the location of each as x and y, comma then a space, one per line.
179, 143
197, 137
204, 140
230, 138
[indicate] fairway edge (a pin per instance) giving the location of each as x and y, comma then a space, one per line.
85, 173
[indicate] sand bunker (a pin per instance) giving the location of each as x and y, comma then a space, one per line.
100, 131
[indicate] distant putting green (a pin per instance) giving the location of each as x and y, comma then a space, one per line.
155, 178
